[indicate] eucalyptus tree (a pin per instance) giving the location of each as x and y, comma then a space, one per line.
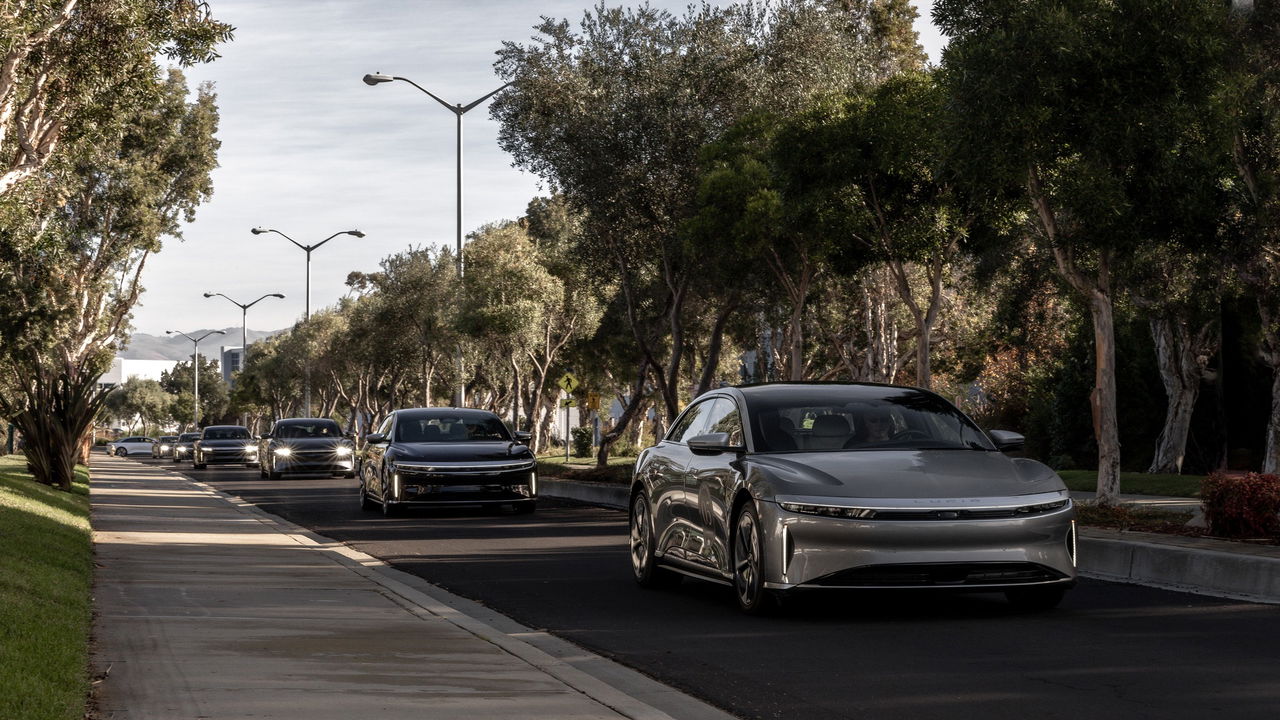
416, 296
67, 64
1256, 154
71, 256
215, 395
1077, 102
614, 115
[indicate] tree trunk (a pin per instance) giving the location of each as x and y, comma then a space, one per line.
1270, 352
1106, 428
1182, 361
628, 413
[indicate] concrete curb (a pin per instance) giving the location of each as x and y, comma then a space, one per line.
614, 686
1205, 567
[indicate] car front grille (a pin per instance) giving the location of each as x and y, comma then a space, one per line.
941, 575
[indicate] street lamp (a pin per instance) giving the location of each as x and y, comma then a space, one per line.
244, 316
195, 372
306, 393
458, 110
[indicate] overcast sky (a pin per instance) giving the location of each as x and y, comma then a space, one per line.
310, 150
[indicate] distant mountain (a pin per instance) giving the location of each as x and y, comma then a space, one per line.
175, 347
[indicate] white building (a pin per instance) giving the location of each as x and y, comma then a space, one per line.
123, 368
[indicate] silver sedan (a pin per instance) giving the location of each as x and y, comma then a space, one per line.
782, 487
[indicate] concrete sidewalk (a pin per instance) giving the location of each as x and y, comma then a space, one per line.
207, 607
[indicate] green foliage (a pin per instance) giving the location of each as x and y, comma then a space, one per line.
70, 261
46, 569
1242, 506
215, 396
141, 398
583, 438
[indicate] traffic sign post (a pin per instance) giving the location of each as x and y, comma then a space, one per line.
568, 383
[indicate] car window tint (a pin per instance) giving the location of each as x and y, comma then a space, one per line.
826, 418
724, 418
318, 429
385, 427
691, 422
451, 429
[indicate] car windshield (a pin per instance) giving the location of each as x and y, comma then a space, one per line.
451, 429
228, 433
823, 418
316, 429
168, 438
188, 437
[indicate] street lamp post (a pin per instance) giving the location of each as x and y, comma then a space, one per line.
195, 372
244, 331
306, 392
244, 320
458, 110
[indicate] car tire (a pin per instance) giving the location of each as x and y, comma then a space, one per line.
121, 452
198, 466
747, 561
349, 475
389, 509
526, 507
644, 561
366, 503
273, 473
1035, 599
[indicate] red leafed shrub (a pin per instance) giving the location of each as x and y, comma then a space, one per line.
1242, 506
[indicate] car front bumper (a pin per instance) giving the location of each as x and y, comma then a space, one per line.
226, 457
470, 485
975, 553
318, 462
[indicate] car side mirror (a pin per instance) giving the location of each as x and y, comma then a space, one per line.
713, 444
1006, 440
375, 438
522, 436
265, 436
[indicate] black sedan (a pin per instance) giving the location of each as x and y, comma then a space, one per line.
306, 445
447, 456
224, 445
786, 487
184, 445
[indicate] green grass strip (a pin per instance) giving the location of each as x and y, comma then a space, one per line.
1137, 483
46, 574
617, 471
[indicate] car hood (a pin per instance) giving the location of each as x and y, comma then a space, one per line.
460, 452
905, 474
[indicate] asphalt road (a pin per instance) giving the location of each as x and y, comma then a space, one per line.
1110, 651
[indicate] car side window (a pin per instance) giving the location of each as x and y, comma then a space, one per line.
385, 427
691, 423
724, 418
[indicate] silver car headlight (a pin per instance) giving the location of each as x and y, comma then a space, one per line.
283, 452
342, 451
829, 511
250, 448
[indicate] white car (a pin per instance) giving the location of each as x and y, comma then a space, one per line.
135, 445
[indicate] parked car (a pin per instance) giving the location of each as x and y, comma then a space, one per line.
163, 446
783, 487
306, 445
133, 445
224, 445
183, 447
447, 456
